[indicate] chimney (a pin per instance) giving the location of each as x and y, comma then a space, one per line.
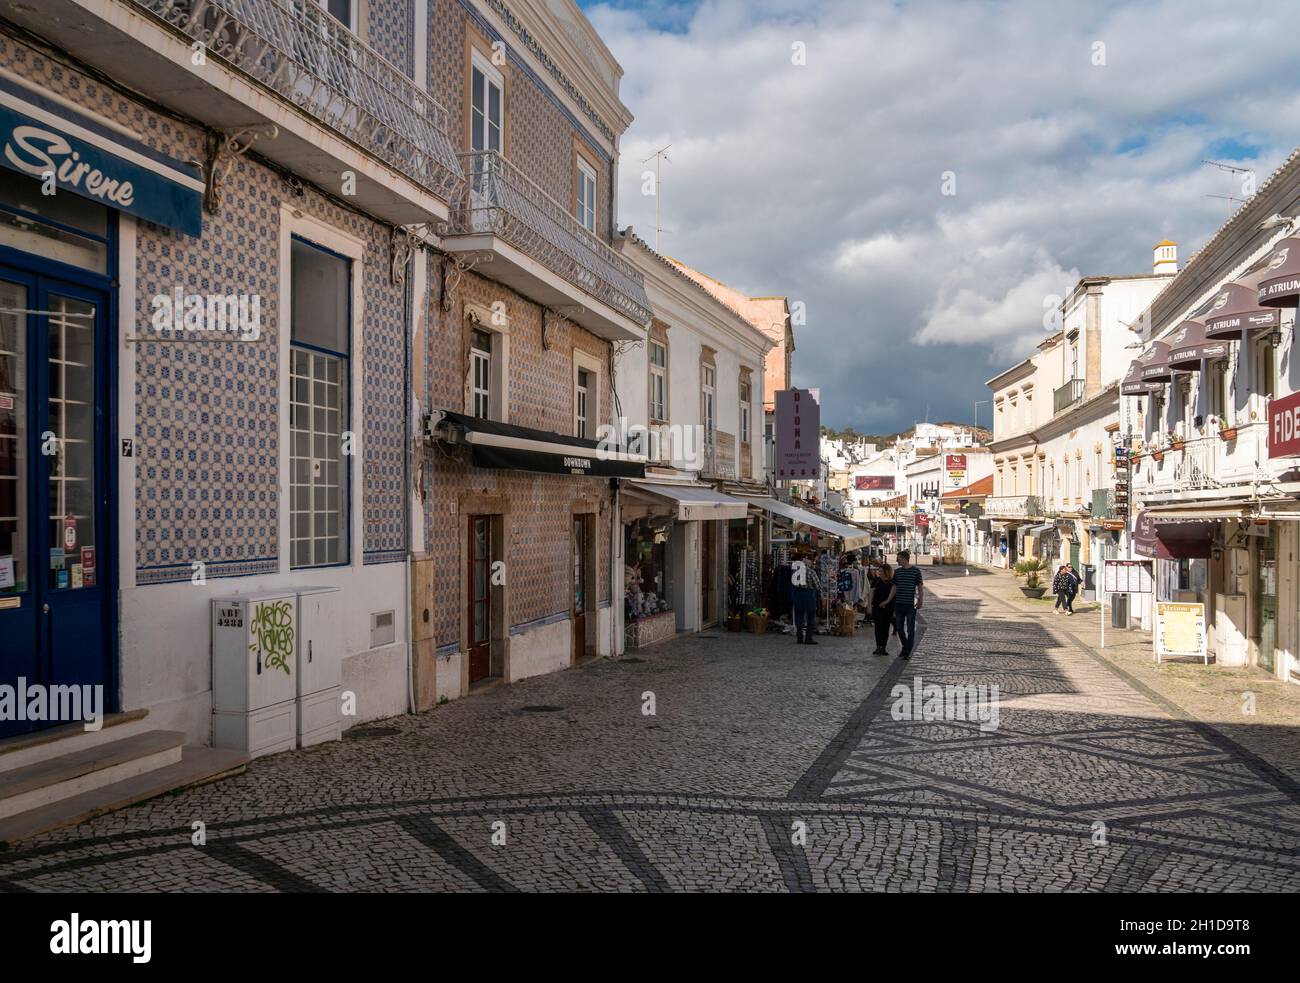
1165, 258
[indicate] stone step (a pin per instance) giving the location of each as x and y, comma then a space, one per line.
25, 749
197, 766
43, 782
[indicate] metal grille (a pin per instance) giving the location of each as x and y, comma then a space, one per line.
500, 200
299, 51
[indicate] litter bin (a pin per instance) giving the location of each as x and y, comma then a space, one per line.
1119, 610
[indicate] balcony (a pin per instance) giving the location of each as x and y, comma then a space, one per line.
337, 106
1013, 507
542, 251
1067, 395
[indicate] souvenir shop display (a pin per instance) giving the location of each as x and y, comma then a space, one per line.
645, 572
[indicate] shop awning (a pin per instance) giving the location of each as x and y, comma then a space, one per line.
852, 537
1279, 283
503, 445
1236, 310
690, 502
1036, 530
1188, 347
1172, 540
1133, 384
1155, 363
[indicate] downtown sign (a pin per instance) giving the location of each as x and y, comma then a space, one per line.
798, 435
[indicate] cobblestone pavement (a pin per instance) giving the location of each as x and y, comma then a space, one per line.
765, 767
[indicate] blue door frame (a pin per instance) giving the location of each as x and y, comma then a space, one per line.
76, 639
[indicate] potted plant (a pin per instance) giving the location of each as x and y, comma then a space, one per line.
1033, 569
1157, 456
1227, 430
756, 621
1175, 441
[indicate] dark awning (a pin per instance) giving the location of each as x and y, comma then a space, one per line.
503, 445
1172, 540
1279, 284
1155, 363
1133, 384
1188, 347
1236, 310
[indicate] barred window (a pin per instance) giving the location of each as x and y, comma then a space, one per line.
319, 409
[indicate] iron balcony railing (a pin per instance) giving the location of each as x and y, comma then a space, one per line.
1067, 395
500, 200
1014, 507
302, 53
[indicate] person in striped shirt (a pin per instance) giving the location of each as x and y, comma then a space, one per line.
909, 593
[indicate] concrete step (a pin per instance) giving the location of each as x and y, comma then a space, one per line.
197, 766
63, 776
15, 752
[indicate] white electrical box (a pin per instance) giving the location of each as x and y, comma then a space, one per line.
320, 667
254, 670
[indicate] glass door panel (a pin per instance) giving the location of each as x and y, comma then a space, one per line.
14, 466
69, 442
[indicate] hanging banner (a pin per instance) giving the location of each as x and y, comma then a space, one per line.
798, 435
1284, 426
873, 482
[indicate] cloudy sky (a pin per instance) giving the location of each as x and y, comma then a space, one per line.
1072, 135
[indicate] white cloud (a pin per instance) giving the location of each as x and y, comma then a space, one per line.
823, 181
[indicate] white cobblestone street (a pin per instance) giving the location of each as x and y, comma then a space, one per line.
766, 767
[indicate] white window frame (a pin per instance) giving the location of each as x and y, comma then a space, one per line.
582, 362
491, 77
659, 373
586, 197
480, 376
354, 13
294, 224
746, 409
709, 390
496, 324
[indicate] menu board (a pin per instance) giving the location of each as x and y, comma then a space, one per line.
1180, 630
1129, 577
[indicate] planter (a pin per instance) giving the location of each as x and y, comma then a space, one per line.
735, 622
1228, 433
1177, 445
756, 623
1158, 456
1034, 592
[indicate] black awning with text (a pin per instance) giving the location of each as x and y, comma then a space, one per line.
504, 445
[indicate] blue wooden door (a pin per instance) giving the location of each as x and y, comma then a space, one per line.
55, 611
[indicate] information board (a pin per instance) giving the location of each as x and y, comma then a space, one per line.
1128, 577
1180, 630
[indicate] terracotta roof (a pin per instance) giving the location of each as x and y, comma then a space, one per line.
976, 488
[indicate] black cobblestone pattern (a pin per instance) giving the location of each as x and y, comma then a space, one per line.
1091, 782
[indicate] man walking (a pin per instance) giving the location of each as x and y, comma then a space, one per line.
909, 593
806, 587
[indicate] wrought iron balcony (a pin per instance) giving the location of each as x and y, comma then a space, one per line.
303, 54
1013, 507
500, 200
1067, 395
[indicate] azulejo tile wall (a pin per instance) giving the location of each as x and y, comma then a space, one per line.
391, 31
538, 553
207, 413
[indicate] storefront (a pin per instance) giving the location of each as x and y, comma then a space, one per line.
68, 177
647, 581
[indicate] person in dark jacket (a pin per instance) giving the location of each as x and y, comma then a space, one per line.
882, 605
805, 589
1065, 585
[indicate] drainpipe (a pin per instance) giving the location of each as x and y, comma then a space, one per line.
615, 553
408, 336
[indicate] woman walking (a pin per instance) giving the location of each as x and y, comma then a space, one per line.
1063, 586
882, 605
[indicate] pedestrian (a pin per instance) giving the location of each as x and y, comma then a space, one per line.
1073, 586
882, 605
909, 594
805, 588
1063, 588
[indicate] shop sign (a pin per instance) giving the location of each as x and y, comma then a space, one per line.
873, 482
1284, 426
955, 465
1180, 630
798, 435
77, 153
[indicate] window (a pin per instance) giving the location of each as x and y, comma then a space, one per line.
708, 376
1265, 359
1216, 387
486, 105
319, 409
480, 362
586, 195
583, 395
658, 381
744, 411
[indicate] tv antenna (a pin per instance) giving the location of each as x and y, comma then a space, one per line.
1233, 170
658, 157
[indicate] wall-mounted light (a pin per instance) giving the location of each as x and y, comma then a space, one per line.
1274, 337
